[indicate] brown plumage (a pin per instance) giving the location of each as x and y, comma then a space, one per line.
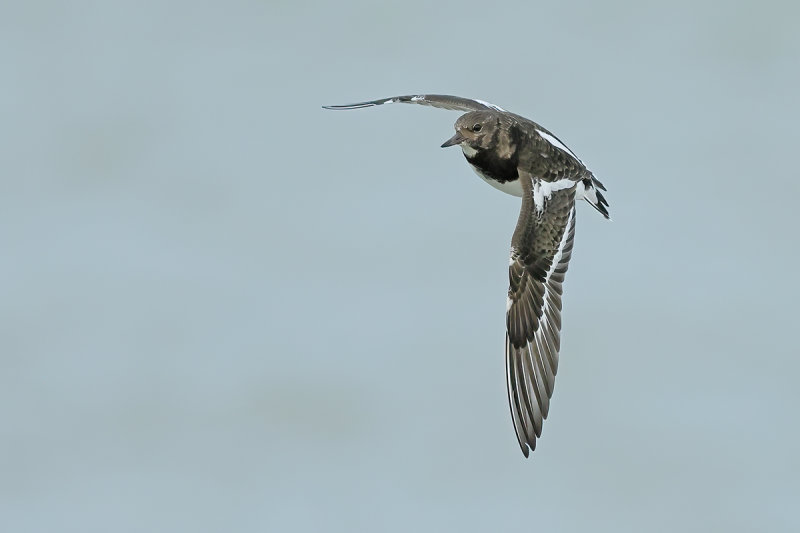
521, 158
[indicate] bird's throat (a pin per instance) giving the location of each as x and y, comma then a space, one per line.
490, 165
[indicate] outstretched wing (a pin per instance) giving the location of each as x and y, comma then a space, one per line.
443, 101
540, 252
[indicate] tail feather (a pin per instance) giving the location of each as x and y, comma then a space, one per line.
596, 183
592, 194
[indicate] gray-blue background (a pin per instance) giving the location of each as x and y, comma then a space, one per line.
225, 309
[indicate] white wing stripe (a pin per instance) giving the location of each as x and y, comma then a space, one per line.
549, 298
560, 252
555, 142
487, 104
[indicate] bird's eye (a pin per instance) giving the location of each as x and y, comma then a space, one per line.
476, 127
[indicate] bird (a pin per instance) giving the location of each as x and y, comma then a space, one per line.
519, 157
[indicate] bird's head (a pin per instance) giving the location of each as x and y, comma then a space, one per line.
475, 131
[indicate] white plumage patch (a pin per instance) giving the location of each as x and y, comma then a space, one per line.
514, 188
543, 190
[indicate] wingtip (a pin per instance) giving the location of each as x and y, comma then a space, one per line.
359, 105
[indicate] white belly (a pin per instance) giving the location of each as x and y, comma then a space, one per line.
510, 187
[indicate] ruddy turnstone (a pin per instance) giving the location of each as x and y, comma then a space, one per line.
519, 157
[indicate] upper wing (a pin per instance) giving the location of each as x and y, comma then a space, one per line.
540, 252
443, 101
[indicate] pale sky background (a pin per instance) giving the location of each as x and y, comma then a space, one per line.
225, 309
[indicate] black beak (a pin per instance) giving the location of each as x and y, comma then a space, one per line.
454, 140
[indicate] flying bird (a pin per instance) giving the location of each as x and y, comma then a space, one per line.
520, 157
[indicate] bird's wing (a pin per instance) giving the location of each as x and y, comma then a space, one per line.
443, 101
540, 252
